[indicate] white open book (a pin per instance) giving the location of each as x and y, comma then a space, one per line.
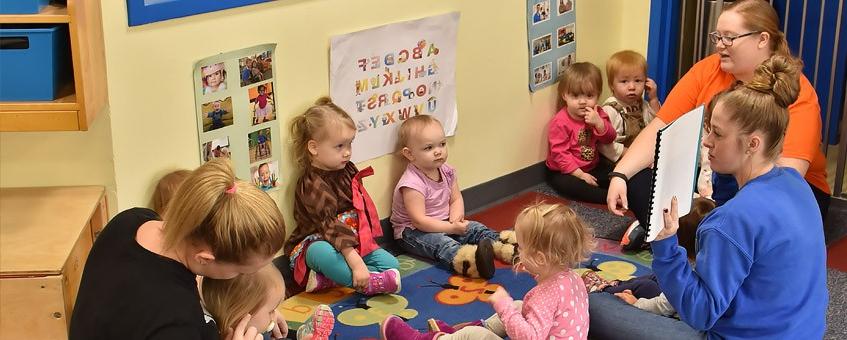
675, 168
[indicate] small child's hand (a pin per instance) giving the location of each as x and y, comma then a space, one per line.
280, 330
627, 296
242, 331
592, 117
460, 227
498, 294
652, 89
591, 180
361, 276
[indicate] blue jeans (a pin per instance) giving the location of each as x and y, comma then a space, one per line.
611, 318
443, 247
323, 258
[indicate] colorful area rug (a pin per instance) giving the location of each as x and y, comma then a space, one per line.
432, 291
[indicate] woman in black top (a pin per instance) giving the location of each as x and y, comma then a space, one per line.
139, 280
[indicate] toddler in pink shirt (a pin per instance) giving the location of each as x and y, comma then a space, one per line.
575, 167
553, 241
428, 211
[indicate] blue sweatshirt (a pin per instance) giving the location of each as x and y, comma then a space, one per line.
761, 264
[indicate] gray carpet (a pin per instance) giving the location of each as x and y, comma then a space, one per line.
609, 226
606, 225
836, 317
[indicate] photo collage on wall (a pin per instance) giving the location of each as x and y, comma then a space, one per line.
236, 113
551, 25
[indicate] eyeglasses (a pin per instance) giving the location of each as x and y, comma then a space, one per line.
727, 40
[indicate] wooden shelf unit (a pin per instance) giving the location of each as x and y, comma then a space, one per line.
45, 237
80, 102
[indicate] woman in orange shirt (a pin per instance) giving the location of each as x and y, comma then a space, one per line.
747, 34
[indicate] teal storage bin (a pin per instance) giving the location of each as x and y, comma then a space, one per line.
35, 61
22, 6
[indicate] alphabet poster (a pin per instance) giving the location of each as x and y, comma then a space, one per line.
551, 27
234, 95
381, 76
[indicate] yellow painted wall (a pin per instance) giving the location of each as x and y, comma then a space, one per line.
153, 130
29, 159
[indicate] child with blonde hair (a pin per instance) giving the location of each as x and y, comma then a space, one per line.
553, 240
259, 295
166, 188
626, 72
333, 243
428, 211
140, 276
575, 169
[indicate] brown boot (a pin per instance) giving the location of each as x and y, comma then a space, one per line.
506, 248
475, 261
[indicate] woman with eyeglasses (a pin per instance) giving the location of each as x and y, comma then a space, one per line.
760, 269
747, 34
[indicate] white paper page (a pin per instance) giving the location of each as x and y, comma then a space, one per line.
675, 171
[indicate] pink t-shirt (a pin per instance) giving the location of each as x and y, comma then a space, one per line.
436, 196
556, 308
573, 144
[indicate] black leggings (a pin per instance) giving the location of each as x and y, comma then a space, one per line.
642, 287
576, 189
638, 196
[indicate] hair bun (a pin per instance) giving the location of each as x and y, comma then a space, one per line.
323, 101
778, 76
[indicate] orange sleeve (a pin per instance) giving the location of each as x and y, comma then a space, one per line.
683, 96
803, 137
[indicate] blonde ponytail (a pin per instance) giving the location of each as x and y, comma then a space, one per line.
232, 217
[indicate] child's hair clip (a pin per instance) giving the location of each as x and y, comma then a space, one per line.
232, 189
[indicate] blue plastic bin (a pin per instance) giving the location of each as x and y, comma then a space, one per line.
22, 6
34, 61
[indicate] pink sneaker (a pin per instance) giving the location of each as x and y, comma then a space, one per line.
393, 327
318, 281
319, 325
387, 282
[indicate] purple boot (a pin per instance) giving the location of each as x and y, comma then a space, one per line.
318, 281
387, 282
393, 327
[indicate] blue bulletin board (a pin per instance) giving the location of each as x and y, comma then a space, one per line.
142, 12
551, 29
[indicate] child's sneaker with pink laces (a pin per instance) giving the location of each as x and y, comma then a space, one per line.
319, 325
393, 327
318, 281
387, 282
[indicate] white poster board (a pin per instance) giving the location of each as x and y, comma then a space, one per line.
384, 75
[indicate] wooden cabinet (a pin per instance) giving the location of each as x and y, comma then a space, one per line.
86, 97
45, 237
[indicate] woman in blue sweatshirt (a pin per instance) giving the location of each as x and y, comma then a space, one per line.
760, 270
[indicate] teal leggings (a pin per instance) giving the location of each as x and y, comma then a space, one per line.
323, 258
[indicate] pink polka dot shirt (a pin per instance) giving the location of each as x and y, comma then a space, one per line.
556, 308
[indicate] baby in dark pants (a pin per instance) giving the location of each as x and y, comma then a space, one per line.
643, 291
